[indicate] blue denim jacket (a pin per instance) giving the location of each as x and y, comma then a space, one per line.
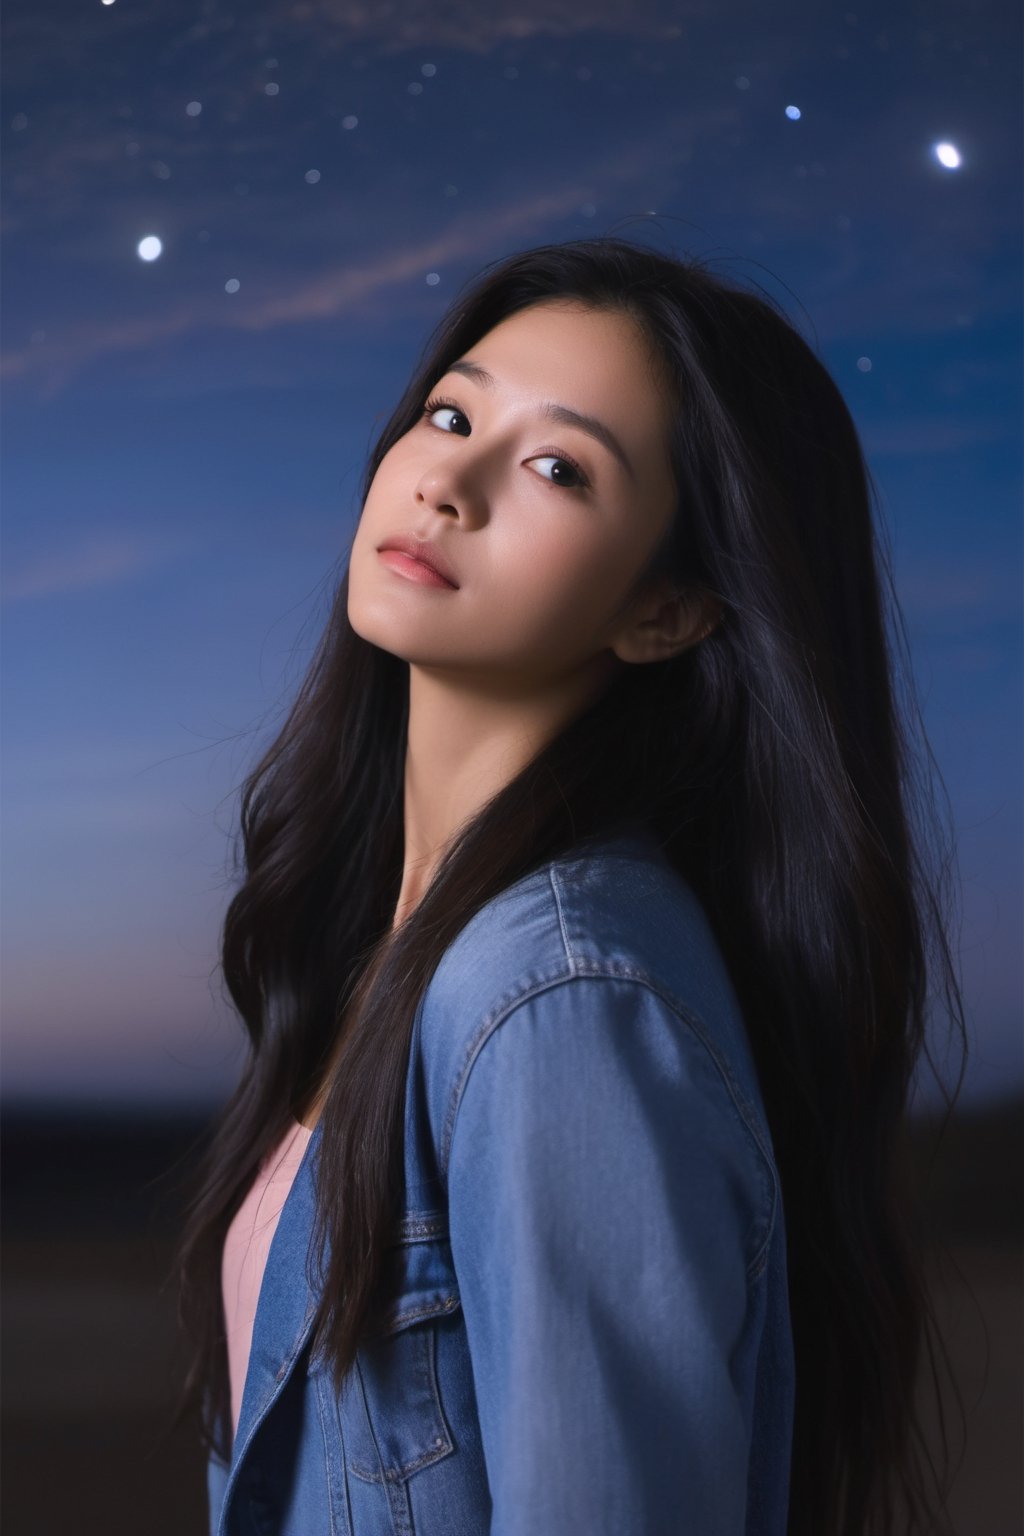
589, 1327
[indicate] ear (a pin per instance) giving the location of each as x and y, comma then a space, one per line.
667, 621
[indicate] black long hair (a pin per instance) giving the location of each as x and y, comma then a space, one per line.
786, 780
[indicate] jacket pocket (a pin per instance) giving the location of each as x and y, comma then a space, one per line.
403, 1427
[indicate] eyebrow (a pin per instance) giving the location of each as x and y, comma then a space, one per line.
563, 414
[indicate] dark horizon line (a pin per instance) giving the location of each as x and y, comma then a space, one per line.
25, 1107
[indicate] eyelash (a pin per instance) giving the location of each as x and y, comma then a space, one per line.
437, 401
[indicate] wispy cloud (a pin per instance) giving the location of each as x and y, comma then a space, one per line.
104, 561
345, 290
910, 437
329, 25
475, 28
964, 592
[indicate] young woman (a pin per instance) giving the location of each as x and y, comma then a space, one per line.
583, 947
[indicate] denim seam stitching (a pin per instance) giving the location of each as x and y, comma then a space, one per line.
561, 918
413, 1230
446, 1304
327, 1459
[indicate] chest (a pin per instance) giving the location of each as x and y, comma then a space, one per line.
397, 1449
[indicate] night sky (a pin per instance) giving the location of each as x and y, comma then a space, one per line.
226, 236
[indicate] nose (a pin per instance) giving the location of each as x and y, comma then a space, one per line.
434, 491
458, 475
453, 483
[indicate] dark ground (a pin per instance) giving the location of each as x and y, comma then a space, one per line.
91, 1358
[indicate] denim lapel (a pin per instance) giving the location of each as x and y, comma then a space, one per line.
284, 1312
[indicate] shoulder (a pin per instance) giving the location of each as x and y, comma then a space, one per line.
610, 932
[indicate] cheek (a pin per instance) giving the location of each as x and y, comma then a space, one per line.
383, 484
556, 581
387, 509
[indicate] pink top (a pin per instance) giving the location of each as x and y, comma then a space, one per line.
246, 1247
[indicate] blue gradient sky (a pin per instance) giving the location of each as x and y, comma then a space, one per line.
183, 438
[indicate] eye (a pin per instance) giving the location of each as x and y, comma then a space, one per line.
563, 463
438, 403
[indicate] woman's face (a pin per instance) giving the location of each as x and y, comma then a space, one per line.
543, 553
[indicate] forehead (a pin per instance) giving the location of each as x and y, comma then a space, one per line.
567, 338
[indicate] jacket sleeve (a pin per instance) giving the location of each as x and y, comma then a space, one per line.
606, 1203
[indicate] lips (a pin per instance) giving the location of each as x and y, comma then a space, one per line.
423, 551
